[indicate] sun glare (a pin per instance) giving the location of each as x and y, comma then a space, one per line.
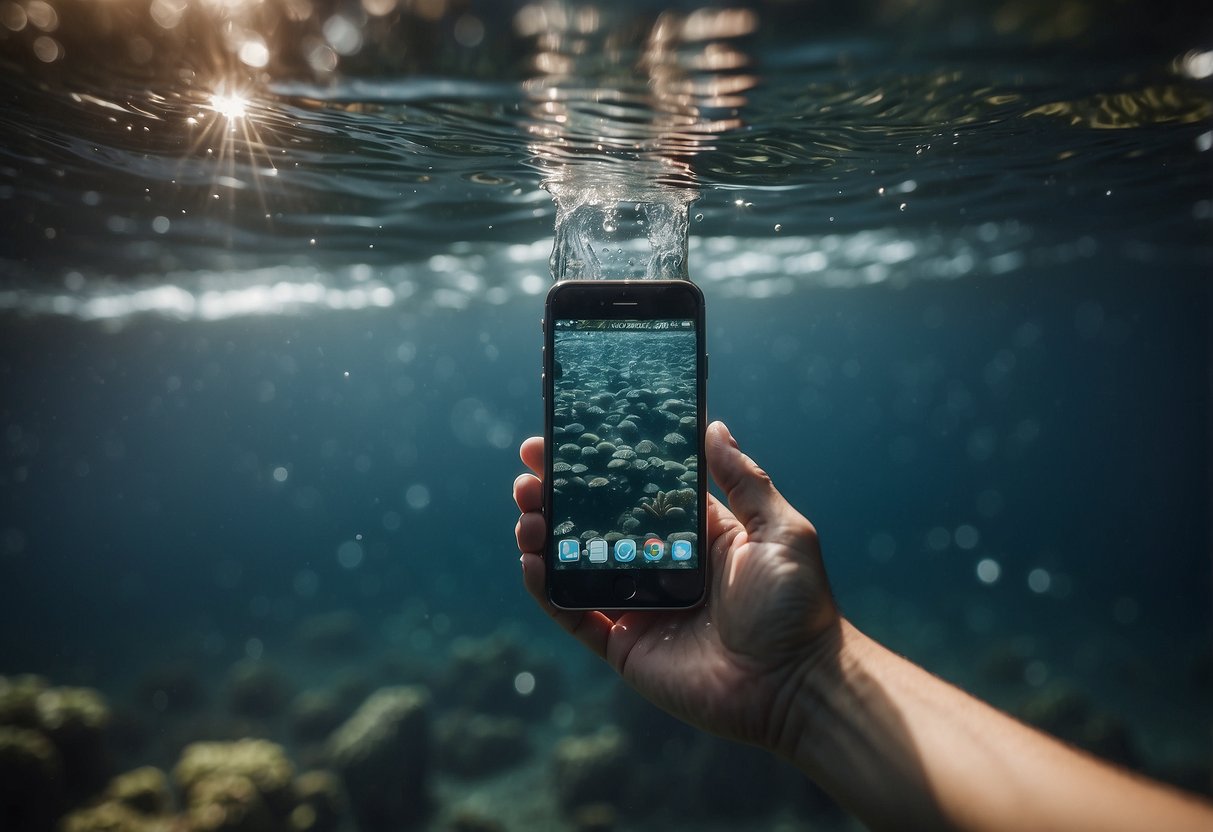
231, 106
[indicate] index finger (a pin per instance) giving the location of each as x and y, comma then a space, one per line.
532, 454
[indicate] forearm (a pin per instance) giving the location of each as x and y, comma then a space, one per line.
905, 750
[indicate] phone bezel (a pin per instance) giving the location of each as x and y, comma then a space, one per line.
649, 588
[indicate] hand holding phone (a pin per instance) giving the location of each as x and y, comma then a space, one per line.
624, 488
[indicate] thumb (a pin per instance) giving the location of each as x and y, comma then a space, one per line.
762, 510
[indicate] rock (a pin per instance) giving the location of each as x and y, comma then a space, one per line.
645, 448
599, 482
256, 689
559, 468
675, 468
624, 453
618, 465
575, 429
476, 744
630, 524
688, 424
589, 770
682, 497
589, 440
382, 754
569, 451
589, 453
579, 468
564, 528
606, 448
675, 440
628, 429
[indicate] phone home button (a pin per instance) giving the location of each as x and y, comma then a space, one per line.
625, 588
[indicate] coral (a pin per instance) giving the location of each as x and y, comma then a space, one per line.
75, 720
475, 744
659, 505
113, 816
18, 697
31, 777
589, 770
382, 755
321, 802
137, 801
143, 790
72, 720
262, 763
227, 802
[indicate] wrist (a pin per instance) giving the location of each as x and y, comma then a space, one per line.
825, 688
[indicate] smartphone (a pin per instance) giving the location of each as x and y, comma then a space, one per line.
625, 483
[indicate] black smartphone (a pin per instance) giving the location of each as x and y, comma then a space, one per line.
625, 483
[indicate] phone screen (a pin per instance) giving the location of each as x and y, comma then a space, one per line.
625, 444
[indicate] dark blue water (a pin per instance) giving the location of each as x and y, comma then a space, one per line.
957, 272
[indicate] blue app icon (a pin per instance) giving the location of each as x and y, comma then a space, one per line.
570, 550
625, 550
681, 550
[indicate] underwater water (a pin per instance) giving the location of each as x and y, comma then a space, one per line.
270, 282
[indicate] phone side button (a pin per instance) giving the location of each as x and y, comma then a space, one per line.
543, 385
625, 588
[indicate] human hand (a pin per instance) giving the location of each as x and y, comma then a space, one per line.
731, 665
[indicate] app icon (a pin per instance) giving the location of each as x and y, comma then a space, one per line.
654, 549
680, 550
570, 550
625, 550
598, 550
